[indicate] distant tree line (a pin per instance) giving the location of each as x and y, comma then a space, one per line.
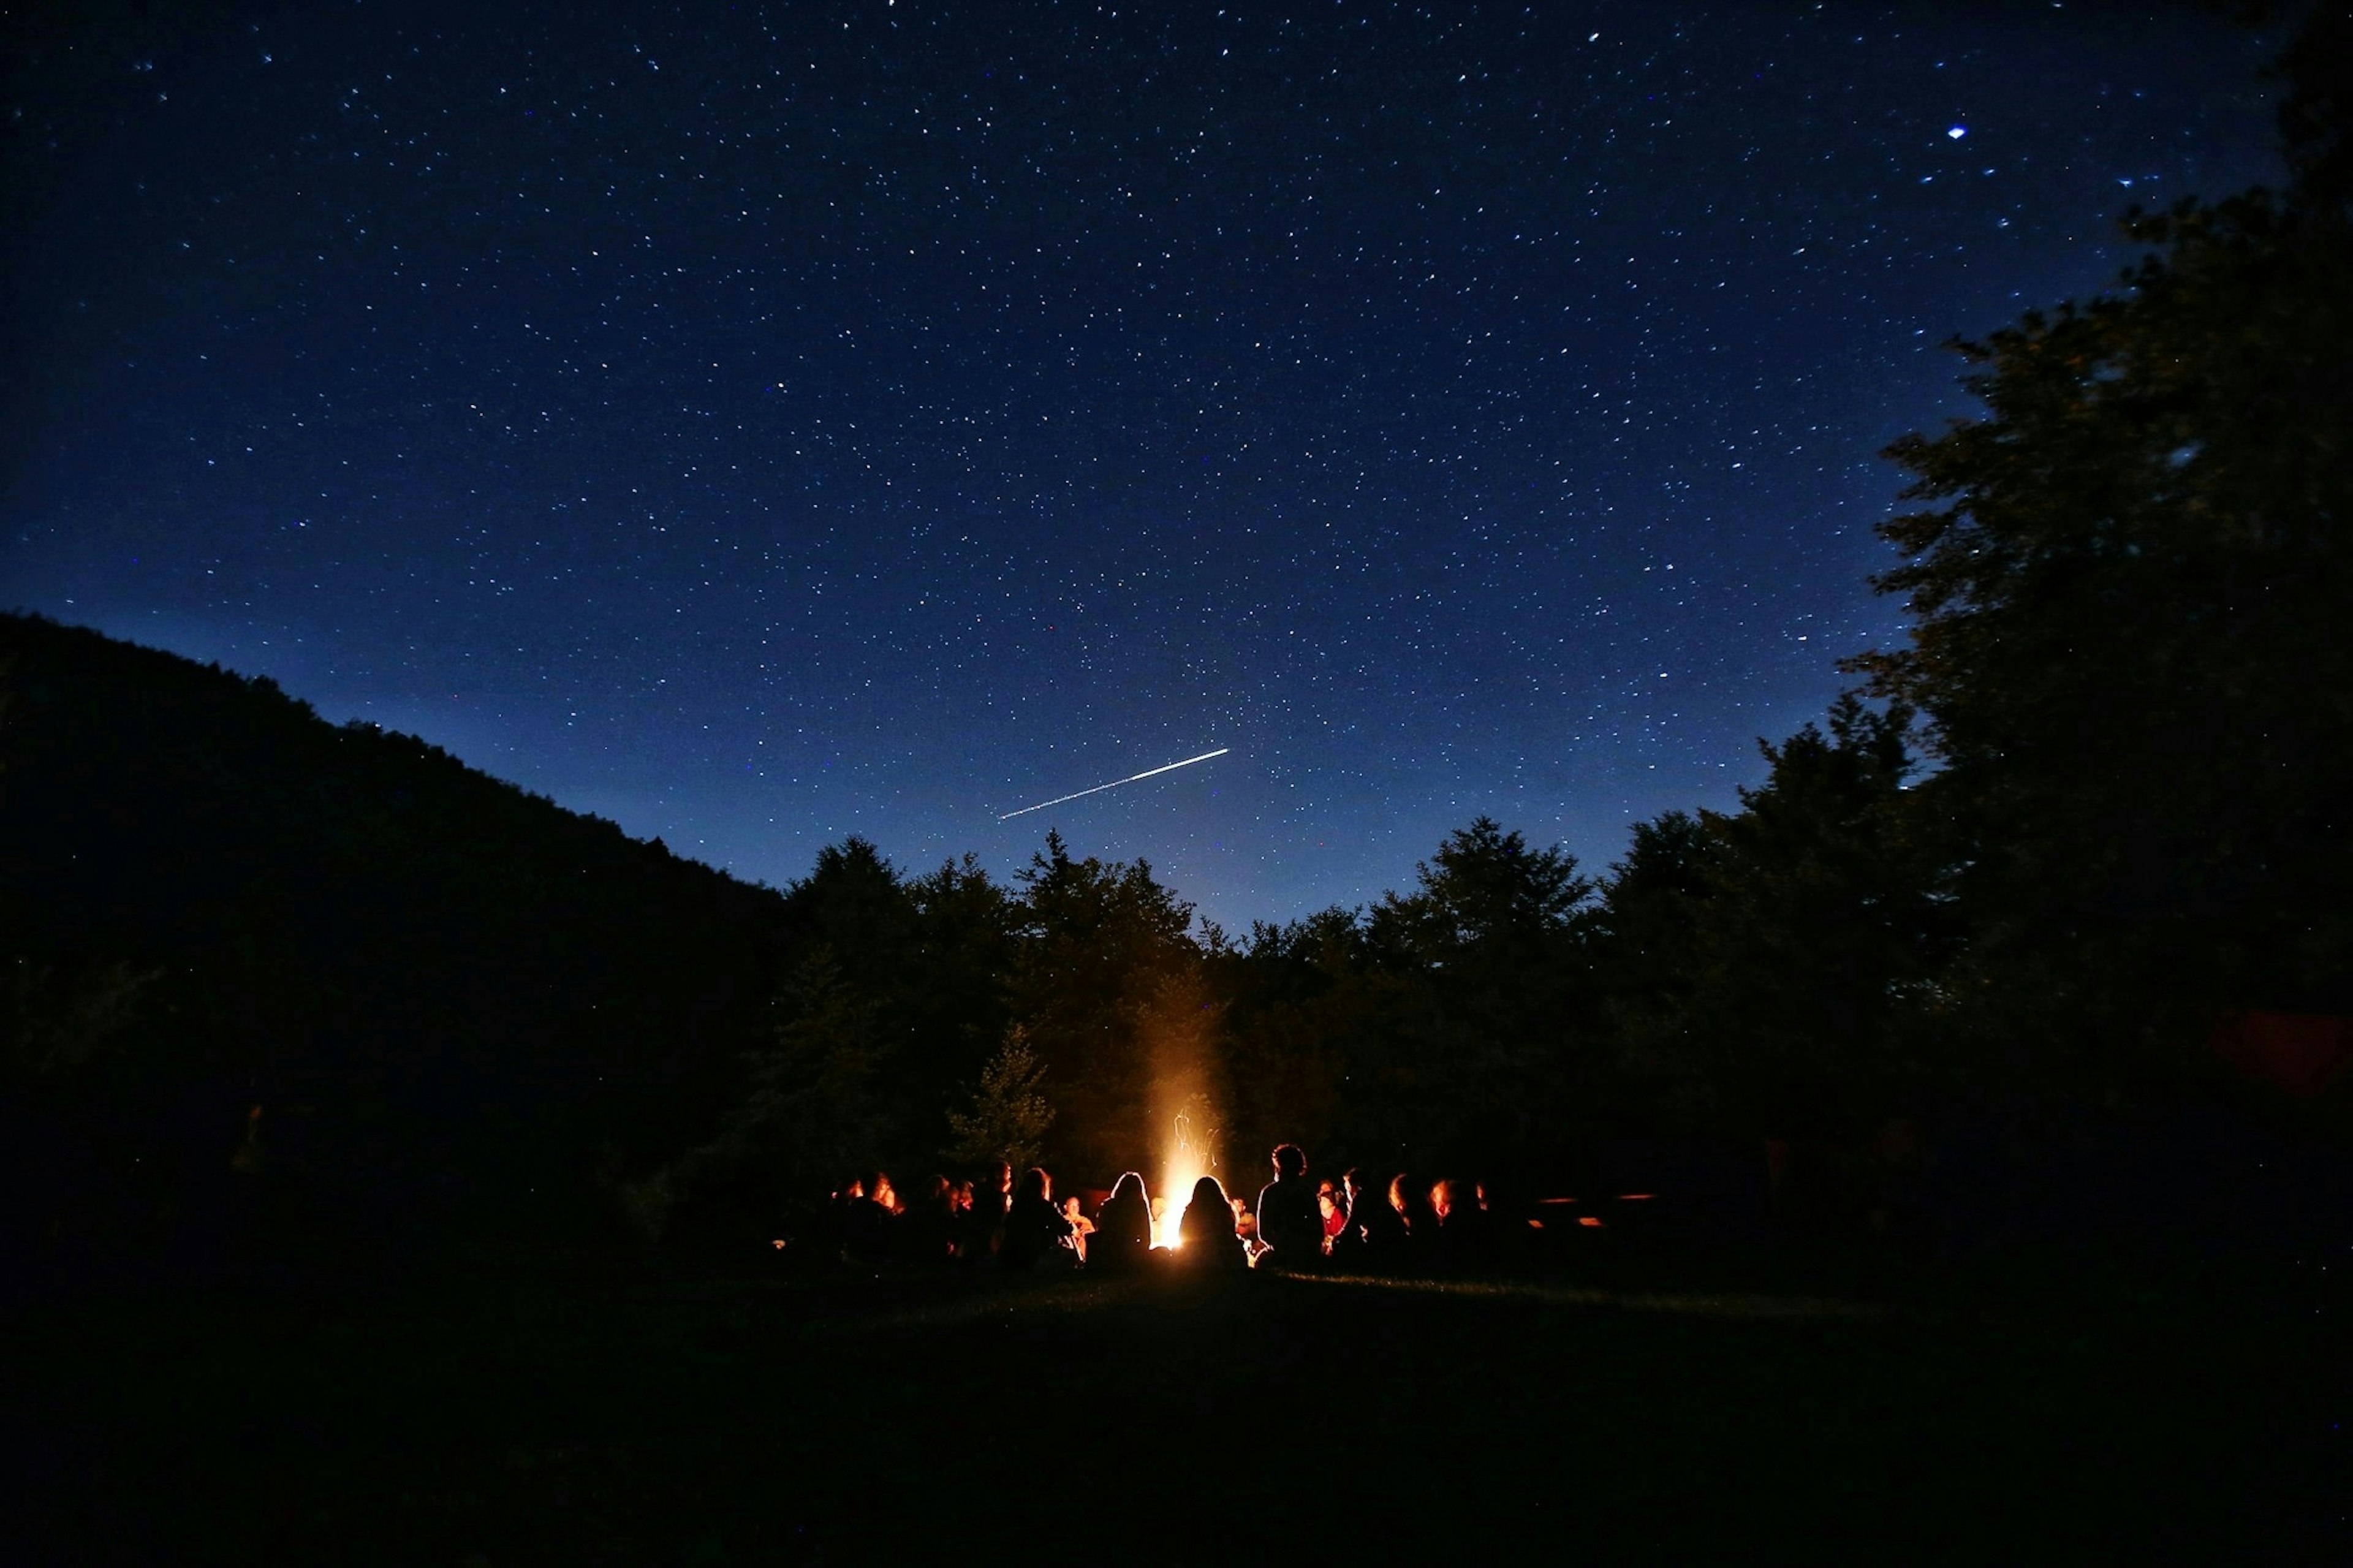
2099, 802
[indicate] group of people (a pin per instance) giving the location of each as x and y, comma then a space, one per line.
1010, 1221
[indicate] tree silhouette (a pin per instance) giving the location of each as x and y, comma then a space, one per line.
808, 1118
2129, 644
1785, 939
1098, 938
1009, 1114
55, 1023
1487, 1054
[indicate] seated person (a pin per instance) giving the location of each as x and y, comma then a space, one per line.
1206, 1235
1290, 1222
871, 1223
1035, 1231
1374, 1236
1081, 1227
1124, 1229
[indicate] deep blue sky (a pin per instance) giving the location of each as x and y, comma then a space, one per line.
760, 425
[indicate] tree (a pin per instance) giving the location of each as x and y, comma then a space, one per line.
809, 1117
1789, 940
1483, 893
1643, 942
56, 1023
1010, 1112
1650, 902
966, 933
1488, 1057
2127, 591
1303, 1015
814, 1103
1099, 938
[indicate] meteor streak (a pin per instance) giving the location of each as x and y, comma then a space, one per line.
1114, 783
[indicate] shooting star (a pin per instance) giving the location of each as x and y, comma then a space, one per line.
1114, 783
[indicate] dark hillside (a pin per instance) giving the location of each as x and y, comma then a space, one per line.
455, 1003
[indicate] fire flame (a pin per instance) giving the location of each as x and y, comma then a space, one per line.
1184, 1166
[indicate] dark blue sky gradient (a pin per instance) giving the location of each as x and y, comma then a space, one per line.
763, 424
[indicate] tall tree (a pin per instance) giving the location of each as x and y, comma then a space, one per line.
1099, 937
1804, 927
966, 929
809, 1116
1643, 942
932, 957
2128, 589
1304, 1012
855, 906
1490, 1054
1009, 1113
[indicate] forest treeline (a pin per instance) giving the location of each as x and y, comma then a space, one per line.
244, 942
2098, 804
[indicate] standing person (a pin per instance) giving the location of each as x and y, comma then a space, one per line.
1205, 1236
1122, 1234
1290, 1222
1034, 1230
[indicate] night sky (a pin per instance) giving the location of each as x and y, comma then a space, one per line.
762, 424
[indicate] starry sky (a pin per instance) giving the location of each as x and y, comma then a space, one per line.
762, 424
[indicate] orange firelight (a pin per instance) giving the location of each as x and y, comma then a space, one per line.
1185, 1165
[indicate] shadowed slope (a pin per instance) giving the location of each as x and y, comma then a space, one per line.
445, 994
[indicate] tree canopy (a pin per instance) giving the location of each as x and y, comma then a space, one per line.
2129, 643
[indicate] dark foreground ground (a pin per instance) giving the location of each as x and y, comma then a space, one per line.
565, 1416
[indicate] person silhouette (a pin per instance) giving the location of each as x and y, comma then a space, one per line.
983, 1203
1034, 1230
1466, 1234
1123, 1228
1421, 1225
1373, 1236
1205, 1236
871, 1223
967, 1238
926, 1228
1290, 1221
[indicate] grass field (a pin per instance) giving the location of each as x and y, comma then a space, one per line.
852, 1416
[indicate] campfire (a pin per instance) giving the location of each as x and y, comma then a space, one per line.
1188, 1162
